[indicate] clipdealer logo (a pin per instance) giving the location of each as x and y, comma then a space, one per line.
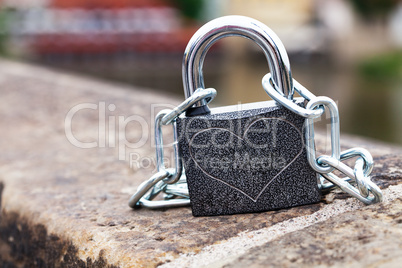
112, 131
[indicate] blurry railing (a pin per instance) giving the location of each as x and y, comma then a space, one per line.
101, 30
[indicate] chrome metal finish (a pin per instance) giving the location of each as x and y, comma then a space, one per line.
347, 187
272, 90
216, 29
208, 94
360, 178
354, 152
171, 182
171, 203
335, 146
363, 165
304, 92
160, 152
280, 87
363, 153
146, 186
178, 189
143, 197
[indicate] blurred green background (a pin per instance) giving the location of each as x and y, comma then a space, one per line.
349, 50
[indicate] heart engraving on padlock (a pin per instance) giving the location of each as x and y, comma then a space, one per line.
223, 162
248, 163
227, 177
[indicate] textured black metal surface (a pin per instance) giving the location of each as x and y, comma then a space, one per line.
249, 160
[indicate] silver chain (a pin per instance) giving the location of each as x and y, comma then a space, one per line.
172, 181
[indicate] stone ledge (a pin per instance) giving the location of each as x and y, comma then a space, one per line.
65, 206
249, 248
369, 237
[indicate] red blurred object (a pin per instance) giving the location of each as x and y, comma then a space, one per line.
104, 44
110, 26
91, 4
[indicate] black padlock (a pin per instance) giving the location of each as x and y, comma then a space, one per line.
248, 158
254, 157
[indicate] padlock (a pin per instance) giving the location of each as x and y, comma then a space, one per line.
243, 158
252, 157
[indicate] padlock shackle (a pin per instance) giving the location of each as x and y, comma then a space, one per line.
242, 26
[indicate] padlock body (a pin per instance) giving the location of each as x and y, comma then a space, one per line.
246, 158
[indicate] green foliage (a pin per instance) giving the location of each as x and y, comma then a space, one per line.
190, 8
382, 67
374, 8
3, 30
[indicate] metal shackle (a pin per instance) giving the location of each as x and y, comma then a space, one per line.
242, 26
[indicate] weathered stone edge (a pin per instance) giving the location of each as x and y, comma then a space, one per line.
23, 243
229, 251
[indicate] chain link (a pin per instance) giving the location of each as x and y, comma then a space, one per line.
273, 91
325, 164
313, 104
172, 182
349, 188
207, 94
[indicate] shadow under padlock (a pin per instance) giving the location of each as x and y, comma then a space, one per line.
249, 157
